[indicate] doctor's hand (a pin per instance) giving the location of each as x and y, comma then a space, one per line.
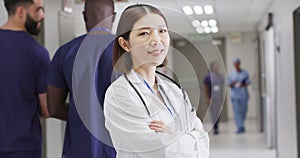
159, 126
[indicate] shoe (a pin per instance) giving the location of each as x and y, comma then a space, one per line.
240, 130
216, 132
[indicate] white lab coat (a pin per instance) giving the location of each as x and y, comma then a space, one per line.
128, 122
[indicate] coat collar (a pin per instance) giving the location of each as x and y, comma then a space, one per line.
135, 78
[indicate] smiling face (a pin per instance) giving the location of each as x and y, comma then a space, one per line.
148, 42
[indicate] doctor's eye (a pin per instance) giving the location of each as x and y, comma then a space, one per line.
163, 30
143, 33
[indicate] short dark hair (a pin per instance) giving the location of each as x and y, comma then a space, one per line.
96, 11
121, 58
11, 5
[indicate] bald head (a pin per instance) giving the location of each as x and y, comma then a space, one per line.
98, 11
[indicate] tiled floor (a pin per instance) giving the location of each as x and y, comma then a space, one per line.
248, 145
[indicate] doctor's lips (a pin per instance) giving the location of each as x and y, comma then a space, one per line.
155, 52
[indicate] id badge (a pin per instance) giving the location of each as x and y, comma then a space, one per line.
216, 88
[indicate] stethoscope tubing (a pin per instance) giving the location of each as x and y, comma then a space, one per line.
140, 96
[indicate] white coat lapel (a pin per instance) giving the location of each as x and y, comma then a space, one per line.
153, 104
173, 94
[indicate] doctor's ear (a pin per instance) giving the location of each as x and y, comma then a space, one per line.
123, 43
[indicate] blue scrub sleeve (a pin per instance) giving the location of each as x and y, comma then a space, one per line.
42, 69
56, 75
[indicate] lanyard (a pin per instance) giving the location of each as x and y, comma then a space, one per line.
167, 99
143, 101
163, 91
148, 86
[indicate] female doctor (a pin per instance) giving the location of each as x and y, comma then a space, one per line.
148, 116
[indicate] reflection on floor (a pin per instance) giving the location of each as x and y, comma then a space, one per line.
251, 144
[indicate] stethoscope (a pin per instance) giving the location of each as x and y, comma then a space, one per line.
143, 101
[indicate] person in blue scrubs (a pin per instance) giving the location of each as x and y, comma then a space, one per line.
238, 80
23, 67
214, 83
79, 141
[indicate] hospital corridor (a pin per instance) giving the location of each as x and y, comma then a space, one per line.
236, 64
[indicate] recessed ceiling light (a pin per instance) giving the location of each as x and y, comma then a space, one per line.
208, 9
187, 10
214, 29
196, 23
204, 23
212, 22
198, 9
207, 29
200, 30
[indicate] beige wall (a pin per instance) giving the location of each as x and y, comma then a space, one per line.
3, 13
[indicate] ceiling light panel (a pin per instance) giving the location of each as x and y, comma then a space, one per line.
196, 23
208, 9
187, 10
207, 30
198, 9
200, 29
214, 29
212, 22
204, 23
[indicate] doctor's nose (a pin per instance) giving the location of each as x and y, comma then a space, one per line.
155, 39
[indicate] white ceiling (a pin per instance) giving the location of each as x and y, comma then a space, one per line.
231, 15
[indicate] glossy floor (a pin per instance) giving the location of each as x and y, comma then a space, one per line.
228, 144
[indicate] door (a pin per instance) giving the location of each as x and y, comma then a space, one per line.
297, 67
270, 85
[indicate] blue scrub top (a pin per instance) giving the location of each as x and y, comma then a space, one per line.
79, 142
23, 67
215, 83
240, 77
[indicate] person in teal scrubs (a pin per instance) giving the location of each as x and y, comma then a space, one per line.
238, 80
